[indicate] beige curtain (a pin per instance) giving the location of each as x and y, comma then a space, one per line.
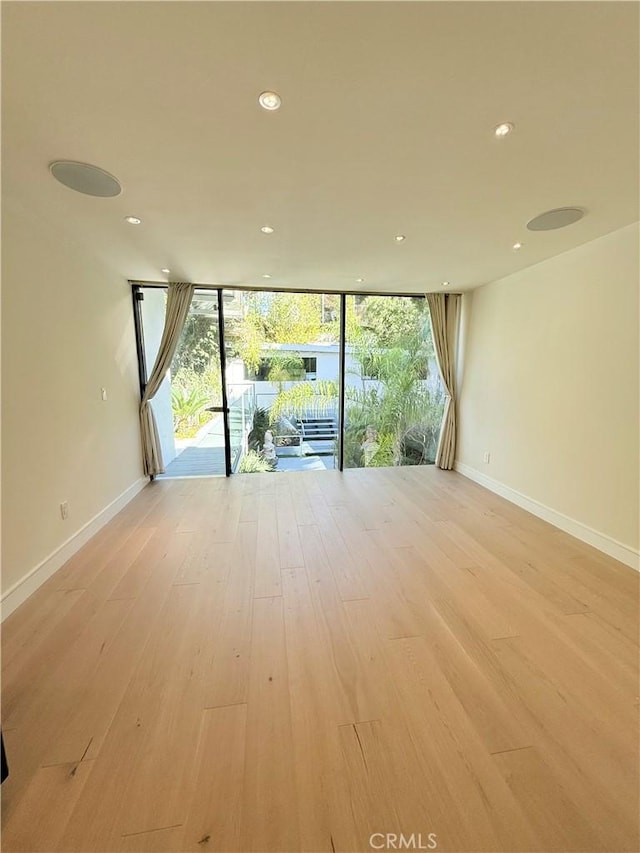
444, 309
178, 303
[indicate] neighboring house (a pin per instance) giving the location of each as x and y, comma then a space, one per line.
320, 361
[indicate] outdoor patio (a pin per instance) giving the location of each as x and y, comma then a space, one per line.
203, 456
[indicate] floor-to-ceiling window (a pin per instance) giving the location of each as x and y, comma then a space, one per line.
288, 346
297, 385
393, 395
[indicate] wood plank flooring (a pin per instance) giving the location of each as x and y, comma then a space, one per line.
295, 662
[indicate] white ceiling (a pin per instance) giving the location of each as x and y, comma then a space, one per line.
386, 128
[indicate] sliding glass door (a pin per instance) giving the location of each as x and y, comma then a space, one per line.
189, 407
302, 381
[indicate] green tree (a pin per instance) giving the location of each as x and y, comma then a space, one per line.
283, 318
198, 344
393, 320
294, 318
285, 367
247, 338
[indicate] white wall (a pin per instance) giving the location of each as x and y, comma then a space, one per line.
67, 331
550, 387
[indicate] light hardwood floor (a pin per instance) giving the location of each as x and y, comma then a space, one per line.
293, 662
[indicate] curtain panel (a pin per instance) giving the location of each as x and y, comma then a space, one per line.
178, 302
444, 310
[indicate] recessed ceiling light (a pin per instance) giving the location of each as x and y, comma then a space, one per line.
399, 238
267, 229
85, 178
517, 246
166, 271
558, 218
132, 220
445, 284
359, 280
265, 275
503, 129
270, 101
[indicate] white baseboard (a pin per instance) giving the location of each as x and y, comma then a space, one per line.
601, 541
26, 586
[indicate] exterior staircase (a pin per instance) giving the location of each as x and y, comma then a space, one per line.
318, 435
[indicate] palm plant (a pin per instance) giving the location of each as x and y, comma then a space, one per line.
187, 404
399, 408
305, 399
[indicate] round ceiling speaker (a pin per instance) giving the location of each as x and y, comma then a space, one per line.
85, 178
558, 218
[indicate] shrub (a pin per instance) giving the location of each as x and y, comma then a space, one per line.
254, 463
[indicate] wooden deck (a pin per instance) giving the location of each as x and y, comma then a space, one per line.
197, 462
295, 663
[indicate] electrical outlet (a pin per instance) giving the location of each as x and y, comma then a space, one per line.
64, 510
487, 457
104, 393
